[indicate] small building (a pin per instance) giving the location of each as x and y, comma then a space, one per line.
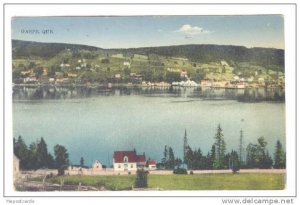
261, 80
30, 79
136, 78
64, 65
117, 76
126, 63
128, 161
51, 80
183, 74
45, 71
97, 166
236, 78
151, 164
206, 83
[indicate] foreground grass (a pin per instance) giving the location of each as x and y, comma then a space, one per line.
218, 182
183, 182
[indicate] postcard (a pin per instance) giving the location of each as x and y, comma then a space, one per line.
119, 103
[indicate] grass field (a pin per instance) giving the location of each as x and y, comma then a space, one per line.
184, 182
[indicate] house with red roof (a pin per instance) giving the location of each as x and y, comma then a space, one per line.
128, 161
151, 164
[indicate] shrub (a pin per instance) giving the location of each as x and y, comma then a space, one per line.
191, 172
180, 171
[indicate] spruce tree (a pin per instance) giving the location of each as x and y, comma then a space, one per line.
81, 162
42, 154
220, 145
21, 151
279, 157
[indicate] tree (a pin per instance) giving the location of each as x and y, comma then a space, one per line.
252, 158
234, 164
265, 160
171, 160
105, 61
32, 156
189, 157
141, 179
178, 162
50, 161
21, 151
38, 72
211, 157
165, 158
61, 158
279, 156
42, 154
220, 145
81, 162
258, 156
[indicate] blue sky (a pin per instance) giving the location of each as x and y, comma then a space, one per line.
144, 31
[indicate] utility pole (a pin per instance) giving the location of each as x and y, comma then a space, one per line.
185, 145
241, 147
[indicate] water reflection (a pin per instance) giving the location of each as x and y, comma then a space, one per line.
56, 92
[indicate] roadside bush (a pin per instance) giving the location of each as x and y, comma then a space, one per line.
235, 169
180, 171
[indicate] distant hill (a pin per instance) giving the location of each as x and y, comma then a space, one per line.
21, 49
205, 53
202, 53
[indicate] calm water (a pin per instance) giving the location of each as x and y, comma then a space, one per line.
93, 123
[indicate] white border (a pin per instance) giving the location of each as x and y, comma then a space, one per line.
288, 11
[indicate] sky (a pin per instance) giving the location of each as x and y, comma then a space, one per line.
145, 31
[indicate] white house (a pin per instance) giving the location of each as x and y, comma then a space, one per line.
126, 63
97, 166
128, 161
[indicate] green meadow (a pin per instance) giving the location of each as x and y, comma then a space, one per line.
183, 182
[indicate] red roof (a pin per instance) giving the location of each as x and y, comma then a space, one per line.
141, 158
151, 162
132, 157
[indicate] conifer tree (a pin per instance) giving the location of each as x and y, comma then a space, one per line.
279, 158
220, 146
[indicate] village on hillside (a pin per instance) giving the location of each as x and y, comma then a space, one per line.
151, 70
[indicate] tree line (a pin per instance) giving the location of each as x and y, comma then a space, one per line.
255, 155
36, 155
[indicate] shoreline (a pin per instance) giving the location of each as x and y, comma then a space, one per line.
129, 85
